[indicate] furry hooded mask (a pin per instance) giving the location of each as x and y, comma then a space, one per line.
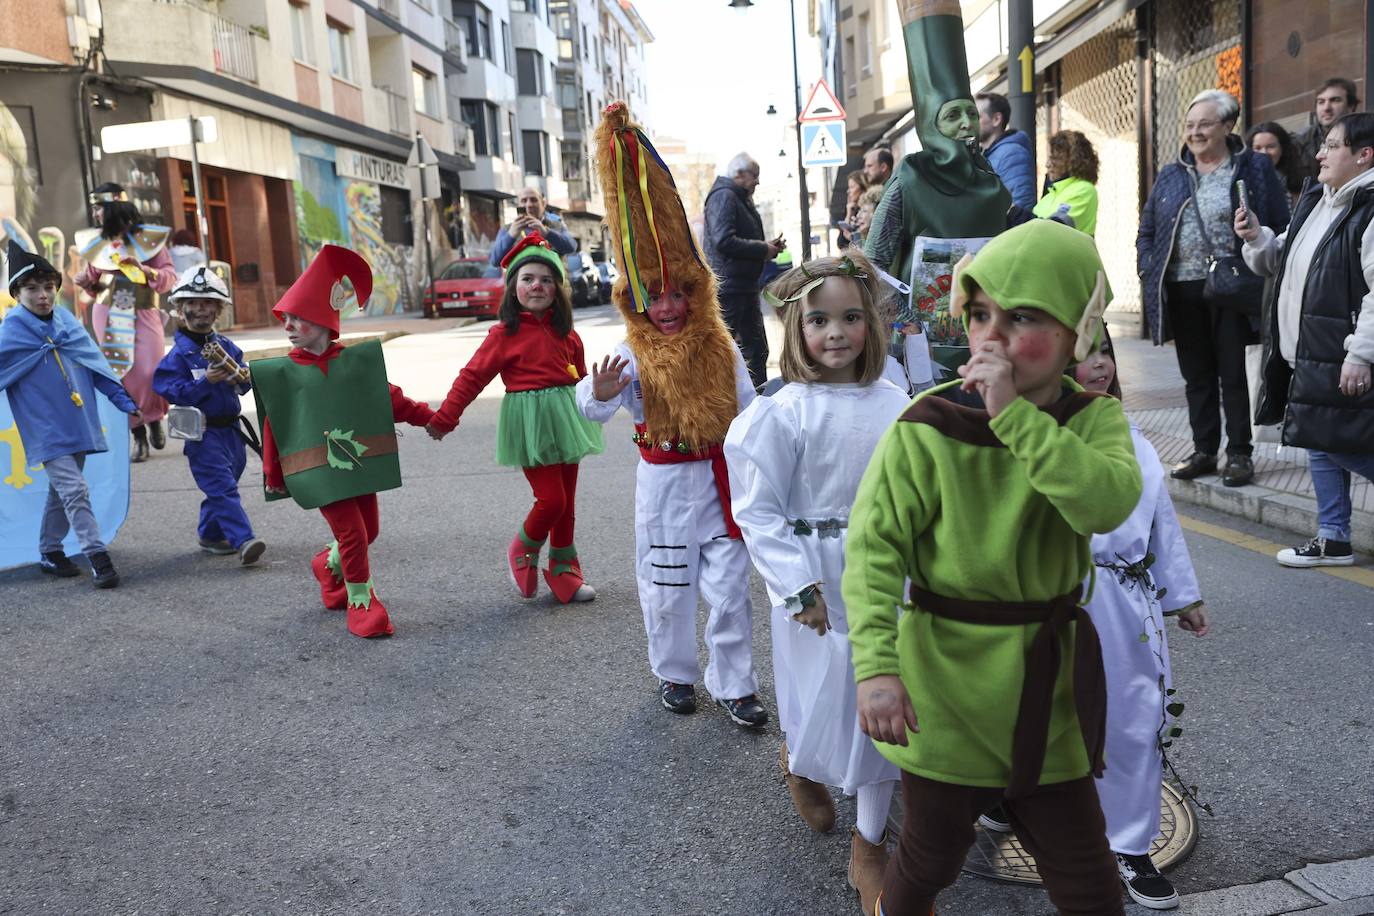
688, 378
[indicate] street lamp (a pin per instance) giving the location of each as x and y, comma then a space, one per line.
803, 194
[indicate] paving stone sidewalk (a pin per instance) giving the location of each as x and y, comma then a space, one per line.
1329, 889
1281, 495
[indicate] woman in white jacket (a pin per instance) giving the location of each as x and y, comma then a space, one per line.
1319, 337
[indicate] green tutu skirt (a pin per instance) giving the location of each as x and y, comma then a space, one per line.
544, 427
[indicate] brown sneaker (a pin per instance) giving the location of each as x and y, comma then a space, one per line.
811, 799
867, 866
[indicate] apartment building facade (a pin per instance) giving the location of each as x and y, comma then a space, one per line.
317, 105
1121, 72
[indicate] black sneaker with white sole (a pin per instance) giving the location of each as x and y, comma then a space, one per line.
997, 820
220, 548
1144, 883
678, 698
1317, 552
57, 563
746, 711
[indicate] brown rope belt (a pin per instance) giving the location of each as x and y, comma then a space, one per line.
308, 459
1043, 660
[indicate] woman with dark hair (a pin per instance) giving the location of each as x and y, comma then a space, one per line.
128, 267
1185, 228
1319, 331
1270, 139
1070, 179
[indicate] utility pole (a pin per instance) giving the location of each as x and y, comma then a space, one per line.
1021, 68
805, 196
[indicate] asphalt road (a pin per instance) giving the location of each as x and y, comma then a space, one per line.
207, 739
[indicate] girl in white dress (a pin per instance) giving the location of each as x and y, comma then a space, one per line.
1130, 602
795, 462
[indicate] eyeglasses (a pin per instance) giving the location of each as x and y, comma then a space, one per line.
1332, 145
1200, 125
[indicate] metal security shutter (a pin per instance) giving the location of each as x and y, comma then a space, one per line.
1098, 96
1196, 47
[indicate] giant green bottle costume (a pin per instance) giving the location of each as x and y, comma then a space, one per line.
947, 190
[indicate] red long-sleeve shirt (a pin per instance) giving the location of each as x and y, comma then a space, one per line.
403, 410
532, 358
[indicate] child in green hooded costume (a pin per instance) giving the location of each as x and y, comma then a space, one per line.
988, 687
947, 190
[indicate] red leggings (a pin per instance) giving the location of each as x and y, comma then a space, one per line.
355, 524
555, 495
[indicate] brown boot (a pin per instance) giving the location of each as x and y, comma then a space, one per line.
867, 866
811, 799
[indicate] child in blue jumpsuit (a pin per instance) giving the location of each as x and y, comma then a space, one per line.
185, 378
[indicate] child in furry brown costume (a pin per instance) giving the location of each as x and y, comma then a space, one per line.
682, 380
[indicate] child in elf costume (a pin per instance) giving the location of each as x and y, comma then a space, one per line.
50, 370
328, 439
186, 378
540, 358
681, 378
795, 459
984, 494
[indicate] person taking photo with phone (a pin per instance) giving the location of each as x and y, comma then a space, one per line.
532, 215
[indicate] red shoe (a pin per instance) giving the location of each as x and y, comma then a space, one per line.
371, 621
524, 567
333, 595
564, 578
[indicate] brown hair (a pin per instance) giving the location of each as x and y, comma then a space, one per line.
509, 313
1075, 152
859, 179
796, 364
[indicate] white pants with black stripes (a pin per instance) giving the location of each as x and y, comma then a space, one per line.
682, 550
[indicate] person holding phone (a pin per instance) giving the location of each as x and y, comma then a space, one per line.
532, 215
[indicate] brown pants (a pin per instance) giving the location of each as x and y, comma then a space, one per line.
1061, 825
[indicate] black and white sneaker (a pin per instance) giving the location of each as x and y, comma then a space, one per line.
997, 820
746, 711
678, 698
57, 563
1317, 552
1144, 883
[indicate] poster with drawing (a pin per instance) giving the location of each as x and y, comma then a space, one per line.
932, 268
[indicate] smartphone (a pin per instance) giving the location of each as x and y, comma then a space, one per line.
1240, 194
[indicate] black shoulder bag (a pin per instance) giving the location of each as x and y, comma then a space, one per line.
1230, 283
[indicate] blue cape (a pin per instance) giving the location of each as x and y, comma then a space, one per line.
24, 340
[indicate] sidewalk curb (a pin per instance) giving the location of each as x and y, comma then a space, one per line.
1264, 506
1323, 889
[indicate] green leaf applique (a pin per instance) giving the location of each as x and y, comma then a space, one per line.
342, 450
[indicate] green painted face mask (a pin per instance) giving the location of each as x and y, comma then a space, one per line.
957, 119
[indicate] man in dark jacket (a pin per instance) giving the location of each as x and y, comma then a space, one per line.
737, 251
1335, 99
1008, 150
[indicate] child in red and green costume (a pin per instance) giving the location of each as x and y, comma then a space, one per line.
988, 687
540, 358
327, 416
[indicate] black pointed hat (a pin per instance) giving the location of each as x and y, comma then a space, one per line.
22, 263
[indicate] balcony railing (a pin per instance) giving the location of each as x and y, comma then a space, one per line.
398, 111
455, 38
391, 8
234, 52
462, 139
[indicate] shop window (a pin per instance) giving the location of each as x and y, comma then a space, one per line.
426, 90
341, 51
301, 46
397, 228
215, 188
529, 72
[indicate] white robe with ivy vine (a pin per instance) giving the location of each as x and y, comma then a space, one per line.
799, 454
1138, 670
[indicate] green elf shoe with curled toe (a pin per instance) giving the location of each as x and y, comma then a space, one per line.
564, 576
367, 616
328, 571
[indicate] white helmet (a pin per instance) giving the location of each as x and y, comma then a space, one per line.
199, 282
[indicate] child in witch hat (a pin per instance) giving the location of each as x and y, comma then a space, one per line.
681, 378
983, 496
50, 370
328, 439
185, 377
540, 358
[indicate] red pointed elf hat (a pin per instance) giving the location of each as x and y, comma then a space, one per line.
320, 294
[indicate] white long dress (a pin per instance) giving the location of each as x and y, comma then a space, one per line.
1123, 607
798, 456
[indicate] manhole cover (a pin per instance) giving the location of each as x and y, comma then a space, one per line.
999, 855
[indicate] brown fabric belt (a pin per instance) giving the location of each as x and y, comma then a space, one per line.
1043, 659
310, 458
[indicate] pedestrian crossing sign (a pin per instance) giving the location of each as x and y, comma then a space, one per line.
823, 143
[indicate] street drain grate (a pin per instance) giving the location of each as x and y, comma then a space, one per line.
1000, 856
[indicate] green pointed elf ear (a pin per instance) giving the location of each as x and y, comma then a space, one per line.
957, 296
1092, 318
771, 298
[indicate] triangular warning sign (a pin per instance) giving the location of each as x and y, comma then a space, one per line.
822, 105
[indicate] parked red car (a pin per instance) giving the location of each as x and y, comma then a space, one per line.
470, 287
